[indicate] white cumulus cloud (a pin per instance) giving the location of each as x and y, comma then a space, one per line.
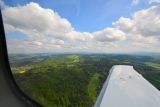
32, 19
47, 31
109, 34
143, 26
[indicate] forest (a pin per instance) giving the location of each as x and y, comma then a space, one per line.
74, 80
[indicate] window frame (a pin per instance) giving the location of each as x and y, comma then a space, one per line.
7, 79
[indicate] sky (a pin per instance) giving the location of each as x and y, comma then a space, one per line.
101, 26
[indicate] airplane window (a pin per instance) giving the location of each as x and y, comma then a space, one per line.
61, 51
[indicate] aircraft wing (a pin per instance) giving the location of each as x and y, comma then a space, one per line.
125, 87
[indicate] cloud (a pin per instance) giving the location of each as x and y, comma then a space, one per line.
32, 46
124, 24
147, 21
47, 31
135, 2
109, 34
32, 19
154, 1
144, 23
142, 29
37, 22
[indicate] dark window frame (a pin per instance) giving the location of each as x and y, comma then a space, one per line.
7, 74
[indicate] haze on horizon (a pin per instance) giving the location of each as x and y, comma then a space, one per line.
102, 26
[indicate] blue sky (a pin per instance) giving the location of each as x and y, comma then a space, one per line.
82, 25
88, 15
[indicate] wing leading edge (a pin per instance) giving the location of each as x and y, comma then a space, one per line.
125, 87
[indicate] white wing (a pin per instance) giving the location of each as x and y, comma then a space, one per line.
125, 87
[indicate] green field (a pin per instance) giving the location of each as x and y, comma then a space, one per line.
74, 80
154, 65
93, 86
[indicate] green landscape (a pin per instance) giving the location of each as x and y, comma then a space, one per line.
74, 80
